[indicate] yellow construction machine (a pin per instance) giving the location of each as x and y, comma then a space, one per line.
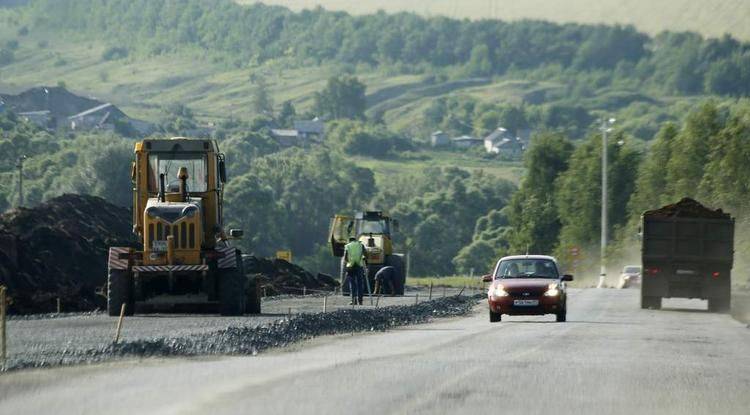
374, 229
185, 261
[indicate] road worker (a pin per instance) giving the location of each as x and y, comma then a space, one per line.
354, 255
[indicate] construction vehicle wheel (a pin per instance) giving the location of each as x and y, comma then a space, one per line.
231, 292
399, 284
119, 292
252, 303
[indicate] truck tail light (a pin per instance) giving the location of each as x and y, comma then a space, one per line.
653, 271
716, 274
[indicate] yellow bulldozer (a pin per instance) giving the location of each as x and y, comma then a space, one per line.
185, 261
374, 229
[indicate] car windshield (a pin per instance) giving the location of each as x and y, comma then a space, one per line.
170, 163
632, 270
527, 268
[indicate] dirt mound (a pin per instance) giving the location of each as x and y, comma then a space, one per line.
59, 250
280, 277
687, 208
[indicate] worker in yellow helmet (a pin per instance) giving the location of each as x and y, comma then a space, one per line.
354, 255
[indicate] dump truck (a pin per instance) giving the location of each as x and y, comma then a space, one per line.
184, 260
687, 252
374, 229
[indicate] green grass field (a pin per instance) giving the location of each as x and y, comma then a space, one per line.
709, 17
452, 282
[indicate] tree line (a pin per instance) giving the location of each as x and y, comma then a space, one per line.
673, 63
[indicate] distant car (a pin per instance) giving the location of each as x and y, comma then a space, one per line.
630, 276
527, 285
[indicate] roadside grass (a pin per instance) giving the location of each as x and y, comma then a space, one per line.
449, 281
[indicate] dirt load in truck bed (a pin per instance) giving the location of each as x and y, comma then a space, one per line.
687, 208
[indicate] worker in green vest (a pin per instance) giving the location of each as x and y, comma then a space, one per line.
354, 255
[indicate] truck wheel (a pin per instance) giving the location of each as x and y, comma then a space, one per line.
495, 317
231, 292
718, 305
119, 292
651, 302
252, 302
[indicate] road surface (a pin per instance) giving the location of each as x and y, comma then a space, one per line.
610, 357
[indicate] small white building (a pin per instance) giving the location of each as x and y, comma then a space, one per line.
439, 139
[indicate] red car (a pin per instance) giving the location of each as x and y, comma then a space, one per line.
527, 285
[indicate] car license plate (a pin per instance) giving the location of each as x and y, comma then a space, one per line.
159, 246
526, 303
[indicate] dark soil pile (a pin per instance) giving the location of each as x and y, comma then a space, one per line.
277, 276
687, 208
59, 250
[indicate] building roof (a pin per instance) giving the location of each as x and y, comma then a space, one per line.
498, 134
311, 126
466, 138
284, 133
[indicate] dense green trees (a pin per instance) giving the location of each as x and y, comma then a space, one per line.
683, 63
343, 97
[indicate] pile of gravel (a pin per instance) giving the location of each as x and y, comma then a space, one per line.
245, 340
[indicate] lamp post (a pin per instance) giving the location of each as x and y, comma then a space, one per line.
606, 127
19, 166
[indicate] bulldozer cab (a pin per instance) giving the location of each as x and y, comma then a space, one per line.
372, 228
341, 228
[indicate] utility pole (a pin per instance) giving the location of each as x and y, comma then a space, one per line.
19, 166
605, 128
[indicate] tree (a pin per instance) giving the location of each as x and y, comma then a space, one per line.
343, 97
532, 213
261, 100
287, 114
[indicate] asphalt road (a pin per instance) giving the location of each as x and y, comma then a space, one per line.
610, 357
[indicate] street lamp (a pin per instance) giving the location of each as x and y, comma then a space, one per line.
606, 127
19, 166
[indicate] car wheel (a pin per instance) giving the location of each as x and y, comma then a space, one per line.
561, 316
495, 317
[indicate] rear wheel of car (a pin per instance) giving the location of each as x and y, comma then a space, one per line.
495, 317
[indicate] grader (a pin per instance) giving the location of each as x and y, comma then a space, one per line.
374, 229
184, 261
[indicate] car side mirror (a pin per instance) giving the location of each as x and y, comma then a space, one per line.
222, 171
236, 233
487, 278
567, 277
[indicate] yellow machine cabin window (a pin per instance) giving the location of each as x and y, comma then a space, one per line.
169, 164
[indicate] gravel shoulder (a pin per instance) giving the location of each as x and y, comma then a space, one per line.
51, 340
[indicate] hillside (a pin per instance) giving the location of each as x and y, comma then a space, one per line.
711, 18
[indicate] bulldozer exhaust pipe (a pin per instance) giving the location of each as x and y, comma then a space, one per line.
162, 191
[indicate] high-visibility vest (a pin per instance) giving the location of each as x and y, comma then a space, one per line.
355, 254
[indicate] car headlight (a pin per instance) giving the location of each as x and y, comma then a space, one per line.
499, 291
552, 290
